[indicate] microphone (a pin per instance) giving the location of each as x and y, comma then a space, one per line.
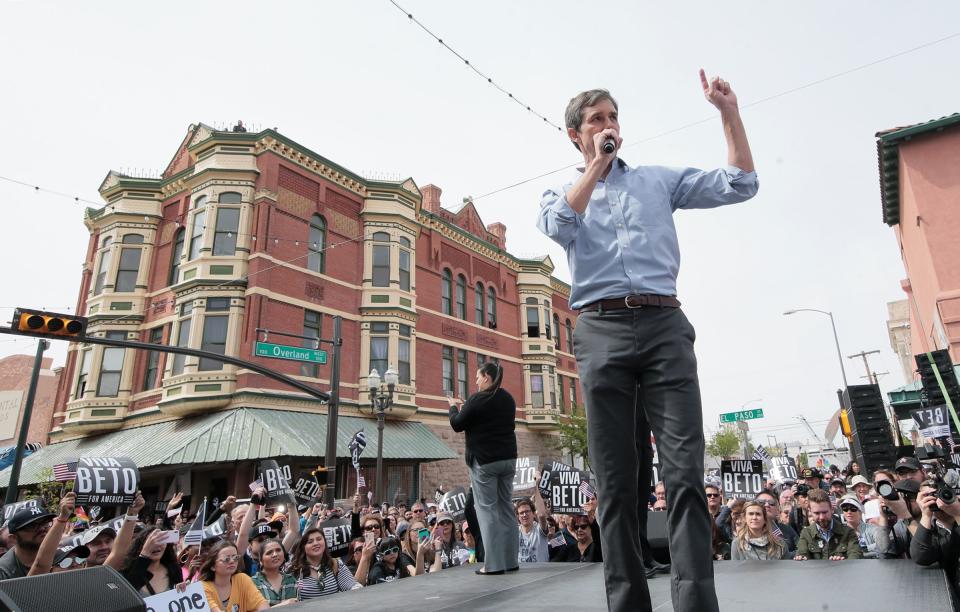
609, 146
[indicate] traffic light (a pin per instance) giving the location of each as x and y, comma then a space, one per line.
42, 323
320, 475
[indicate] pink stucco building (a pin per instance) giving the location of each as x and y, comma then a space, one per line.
920, 191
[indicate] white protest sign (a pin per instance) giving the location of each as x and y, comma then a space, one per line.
106, 481
783, 468
566, 494
526, 475
742, 478
192, 599
932, 421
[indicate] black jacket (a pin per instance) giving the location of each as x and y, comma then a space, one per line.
139, 576
936, 545
570, 553
489, 427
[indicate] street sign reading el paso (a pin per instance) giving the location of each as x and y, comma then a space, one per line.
741, 415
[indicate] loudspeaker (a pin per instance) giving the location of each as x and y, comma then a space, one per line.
872, 443
99, 589
931, 394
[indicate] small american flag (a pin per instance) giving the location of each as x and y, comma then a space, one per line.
777, 531
557, 540
361, 481
587, 490
761, 454
63, 472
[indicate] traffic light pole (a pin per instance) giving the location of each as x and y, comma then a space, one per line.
333, 409
12, 492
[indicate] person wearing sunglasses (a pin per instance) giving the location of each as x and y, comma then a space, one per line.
37, 538
852, 512
586, 532
228, 589
714, 500
388, 568
70, 555
782, 530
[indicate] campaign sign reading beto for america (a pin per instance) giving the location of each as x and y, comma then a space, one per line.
337, 534
106, 481
277, 483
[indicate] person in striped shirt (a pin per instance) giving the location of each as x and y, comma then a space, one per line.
318, 573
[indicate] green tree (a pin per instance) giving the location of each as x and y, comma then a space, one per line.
48, 489
573, 437
802, 460
725, 444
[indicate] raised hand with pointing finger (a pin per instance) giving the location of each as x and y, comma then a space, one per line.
718, 92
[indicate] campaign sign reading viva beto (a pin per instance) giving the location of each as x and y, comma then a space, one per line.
565, 494
277, 483
783, 468
337, 533
742, 478
106, 481
526, 474
454, 503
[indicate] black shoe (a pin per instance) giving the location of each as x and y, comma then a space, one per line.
663, 568
651, 572
514, 569
482, 572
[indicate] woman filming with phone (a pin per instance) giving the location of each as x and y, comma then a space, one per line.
417, 556
487, 418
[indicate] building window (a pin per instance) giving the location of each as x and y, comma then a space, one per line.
478, 304
546, 318
128, 270
556, 331
533, 322
312, 328
562, 397
404, 264
132, 239
569, 328
214, 337
491, 308
196, 233
446, 290
175, 257
183, 336
105, 256
461, 373
381, 260
481, 359
225, 233
403, 357
84, 374
111, 367
379, 347
461, 297
536, 390
573, 395
447, 369
153, 361
552, 384
316, 258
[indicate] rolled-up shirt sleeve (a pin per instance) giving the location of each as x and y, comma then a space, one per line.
557, 220
695, 188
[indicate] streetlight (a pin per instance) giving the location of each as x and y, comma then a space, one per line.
836, 340
382, 401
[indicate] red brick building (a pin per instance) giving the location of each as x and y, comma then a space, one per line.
15, 373
252, 231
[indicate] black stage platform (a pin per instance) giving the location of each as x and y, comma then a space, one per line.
742, 586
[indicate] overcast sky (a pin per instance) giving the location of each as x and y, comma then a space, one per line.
91, 87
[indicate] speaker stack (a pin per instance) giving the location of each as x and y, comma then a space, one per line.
931, 394
95, 589
873, 446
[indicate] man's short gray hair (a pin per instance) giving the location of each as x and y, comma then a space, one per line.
574, 114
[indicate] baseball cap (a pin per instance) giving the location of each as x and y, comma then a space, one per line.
263, 529
92, 534
907, 463
70, 547
27, 516
838, 480
387, 543
850, 501
443, 516
858, 479
811, 473
402, 528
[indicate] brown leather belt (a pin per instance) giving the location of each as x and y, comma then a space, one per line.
633, 301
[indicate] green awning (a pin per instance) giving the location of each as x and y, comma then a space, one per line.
239, 434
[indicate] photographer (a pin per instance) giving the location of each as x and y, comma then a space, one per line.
937, 538
798, 515
898, 514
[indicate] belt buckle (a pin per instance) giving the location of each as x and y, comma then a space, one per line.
626, 301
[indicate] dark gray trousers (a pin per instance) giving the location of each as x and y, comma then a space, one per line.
493, 498
643, 360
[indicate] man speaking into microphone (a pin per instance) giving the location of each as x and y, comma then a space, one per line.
633, 344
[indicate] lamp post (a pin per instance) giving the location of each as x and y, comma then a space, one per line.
836, 340
381, 396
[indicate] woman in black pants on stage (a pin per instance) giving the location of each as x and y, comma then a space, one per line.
488, 417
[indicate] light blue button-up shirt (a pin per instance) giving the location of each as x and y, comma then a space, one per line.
625, 242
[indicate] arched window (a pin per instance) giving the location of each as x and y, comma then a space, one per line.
491, 308
105, 257
461, 297
196, 233
317, 242
556, 331
446, 291
478, 304
227, 225
569, 336
175, 257
381, 260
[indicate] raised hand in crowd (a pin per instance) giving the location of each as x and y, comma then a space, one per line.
590, 507
43, 562
121, 544
175, 501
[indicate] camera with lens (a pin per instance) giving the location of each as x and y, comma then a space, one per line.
944, 476
802, 489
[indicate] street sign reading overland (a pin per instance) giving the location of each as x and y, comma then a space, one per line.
293, 353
